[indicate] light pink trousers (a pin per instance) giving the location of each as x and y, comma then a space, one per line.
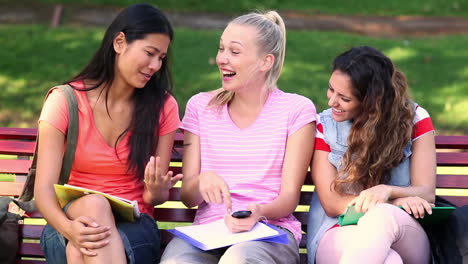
385, 234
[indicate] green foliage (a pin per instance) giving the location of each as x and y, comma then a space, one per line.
360, 7
35, 58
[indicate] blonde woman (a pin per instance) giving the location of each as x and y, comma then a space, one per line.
250, 137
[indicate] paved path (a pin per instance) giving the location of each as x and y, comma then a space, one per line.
366, 25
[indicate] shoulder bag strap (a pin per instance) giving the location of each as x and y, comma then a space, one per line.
72, 133
72, 138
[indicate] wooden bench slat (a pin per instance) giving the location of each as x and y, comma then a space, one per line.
18, 133
452, 181
457, 200
28, 261
174, 214
15, 166
452, 159
17, 147
11, 188
442, 142
451, 142
305, 198
31, 231
31, 249
176, 170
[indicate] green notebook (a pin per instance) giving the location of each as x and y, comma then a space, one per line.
439, 214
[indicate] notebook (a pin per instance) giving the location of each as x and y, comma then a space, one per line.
122, 208
217, 235
439, 214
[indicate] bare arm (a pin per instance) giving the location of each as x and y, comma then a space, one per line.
423, 171
190, 194
299, 148
50, 153
323, 175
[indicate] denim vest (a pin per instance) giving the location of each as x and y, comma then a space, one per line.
336, 136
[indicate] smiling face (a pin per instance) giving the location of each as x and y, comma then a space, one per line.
345, 106
138, 61
238, 57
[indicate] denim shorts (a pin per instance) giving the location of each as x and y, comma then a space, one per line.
141, 240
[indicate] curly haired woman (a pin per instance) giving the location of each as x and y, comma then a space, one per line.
375, 150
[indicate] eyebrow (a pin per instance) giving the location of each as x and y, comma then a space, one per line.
232, 41
340, 94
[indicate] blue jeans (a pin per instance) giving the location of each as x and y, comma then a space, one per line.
141, 240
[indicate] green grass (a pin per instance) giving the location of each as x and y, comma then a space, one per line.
360, 7
35, 58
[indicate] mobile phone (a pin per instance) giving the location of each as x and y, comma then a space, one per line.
241, 214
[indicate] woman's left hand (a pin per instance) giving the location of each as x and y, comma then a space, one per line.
237, 225
370, 197
154, 181
414, 205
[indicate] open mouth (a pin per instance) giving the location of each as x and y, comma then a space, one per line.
228, 74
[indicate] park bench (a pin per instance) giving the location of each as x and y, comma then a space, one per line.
17, 147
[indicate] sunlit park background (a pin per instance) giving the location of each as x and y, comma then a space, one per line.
34, 58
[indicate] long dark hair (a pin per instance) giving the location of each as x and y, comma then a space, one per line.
136, 22
382, 130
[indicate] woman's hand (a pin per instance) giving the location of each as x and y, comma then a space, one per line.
414, 205
214, 189
370, 197
156, 183
237, 225
87, 235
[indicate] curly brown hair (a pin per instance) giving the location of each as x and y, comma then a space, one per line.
384, 127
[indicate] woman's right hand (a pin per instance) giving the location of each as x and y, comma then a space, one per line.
87, 235
214, 189
368, 198
414, 205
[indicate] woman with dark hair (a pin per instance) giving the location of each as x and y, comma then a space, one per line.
374, 150
127, 123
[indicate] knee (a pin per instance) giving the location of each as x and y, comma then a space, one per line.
239, 253
94, 205
382, 213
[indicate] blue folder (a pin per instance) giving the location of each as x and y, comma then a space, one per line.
281, 238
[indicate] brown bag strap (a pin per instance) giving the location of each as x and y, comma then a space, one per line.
71, 137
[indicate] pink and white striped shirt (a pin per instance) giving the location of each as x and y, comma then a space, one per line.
249, 159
